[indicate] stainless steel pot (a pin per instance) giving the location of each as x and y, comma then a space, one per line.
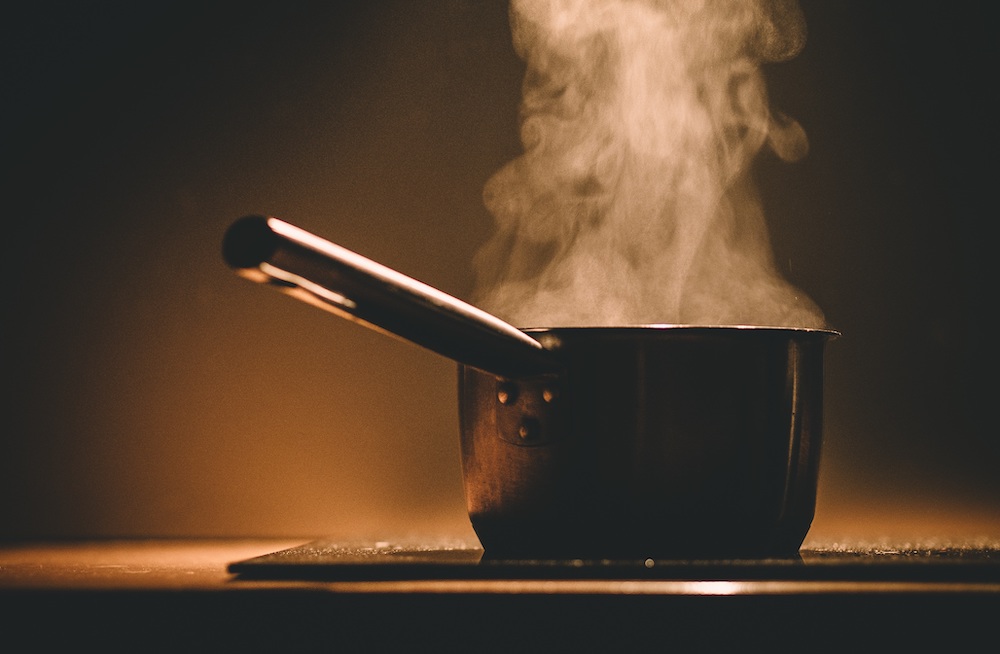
644, 441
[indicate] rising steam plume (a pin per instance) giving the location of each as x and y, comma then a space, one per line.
632, 202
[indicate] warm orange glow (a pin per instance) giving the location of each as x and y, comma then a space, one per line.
154, 394
907, 523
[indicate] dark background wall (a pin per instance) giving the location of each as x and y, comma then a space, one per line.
149, 391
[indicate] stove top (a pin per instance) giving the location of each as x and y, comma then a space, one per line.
331, 560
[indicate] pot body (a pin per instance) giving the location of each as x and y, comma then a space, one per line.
654, 441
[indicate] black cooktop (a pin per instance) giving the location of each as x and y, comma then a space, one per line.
331, 560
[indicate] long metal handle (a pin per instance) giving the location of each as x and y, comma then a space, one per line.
329, 276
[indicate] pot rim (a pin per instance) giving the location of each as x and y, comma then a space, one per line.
664, 327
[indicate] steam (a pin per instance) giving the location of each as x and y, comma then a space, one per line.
632, 202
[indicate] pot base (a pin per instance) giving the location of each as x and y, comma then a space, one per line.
503, 540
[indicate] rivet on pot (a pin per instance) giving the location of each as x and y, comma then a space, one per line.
507, 393
549, 395
530, 430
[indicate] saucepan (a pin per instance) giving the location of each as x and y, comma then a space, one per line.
643, 441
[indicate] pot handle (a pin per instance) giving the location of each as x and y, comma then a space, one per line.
321, 273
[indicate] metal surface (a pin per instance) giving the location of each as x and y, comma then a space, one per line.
827, 570
656, 441
333, 278
646, 440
